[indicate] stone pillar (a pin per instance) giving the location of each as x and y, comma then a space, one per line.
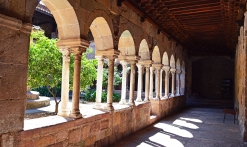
167, 70
161, 79
110, 83
132, 83
139, 87
64, 108
157, 79
178, 72
147, 85
75, 111
173, 71
124, 80
99, 81
151, 93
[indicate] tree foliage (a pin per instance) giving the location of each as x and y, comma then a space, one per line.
117, 77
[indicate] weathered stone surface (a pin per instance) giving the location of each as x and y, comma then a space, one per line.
38, 103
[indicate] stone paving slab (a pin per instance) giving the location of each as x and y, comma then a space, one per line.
193, 127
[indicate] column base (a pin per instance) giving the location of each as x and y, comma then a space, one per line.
123, 102
75, 115
139, 99
146, 99
166, 96
172, 95
156, 98
131, 103
97, 106
177, 94
63, 112
109, 108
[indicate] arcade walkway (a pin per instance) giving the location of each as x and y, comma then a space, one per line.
193, 127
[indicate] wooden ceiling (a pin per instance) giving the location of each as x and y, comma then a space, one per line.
202, 26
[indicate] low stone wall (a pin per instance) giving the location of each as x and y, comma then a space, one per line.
98, 130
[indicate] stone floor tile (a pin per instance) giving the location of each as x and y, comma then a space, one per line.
193, 127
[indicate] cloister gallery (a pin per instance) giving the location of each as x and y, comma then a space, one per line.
152, 35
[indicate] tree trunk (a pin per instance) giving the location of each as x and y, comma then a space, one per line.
56, 108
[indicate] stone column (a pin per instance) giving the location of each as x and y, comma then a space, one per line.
64, 108
132, 83
147, 85
110, 83
124, 80
178, 72
139, 87
167, 82
173, 71
157, 79
161, 79
75, 112
151, 93
99, 81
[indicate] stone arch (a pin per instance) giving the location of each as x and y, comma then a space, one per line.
156, 55
144, 50
102, 34
92, 19
126, 44
65, 16
165, 60
178, 64
172, 62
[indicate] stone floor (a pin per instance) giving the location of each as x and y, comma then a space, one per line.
193, 127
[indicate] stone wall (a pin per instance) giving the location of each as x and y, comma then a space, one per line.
240, 81
208, 75
99, 130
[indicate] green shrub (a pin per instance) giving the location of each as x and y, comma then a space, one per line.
43, 91
90, 95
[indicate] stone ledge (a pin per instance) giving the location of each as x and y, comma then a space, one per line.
41, 102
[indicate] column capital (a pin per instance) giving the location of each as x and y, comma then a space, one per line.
77, 50
124, 62
145, 62
178, 71
65, 51
100, 59
157, 66
166, 68
152, 68
173, 70
139, 65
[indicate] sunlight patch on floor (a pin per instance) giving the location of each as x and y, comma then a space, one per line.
164, 140
174, 130
191, 119
185, 124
